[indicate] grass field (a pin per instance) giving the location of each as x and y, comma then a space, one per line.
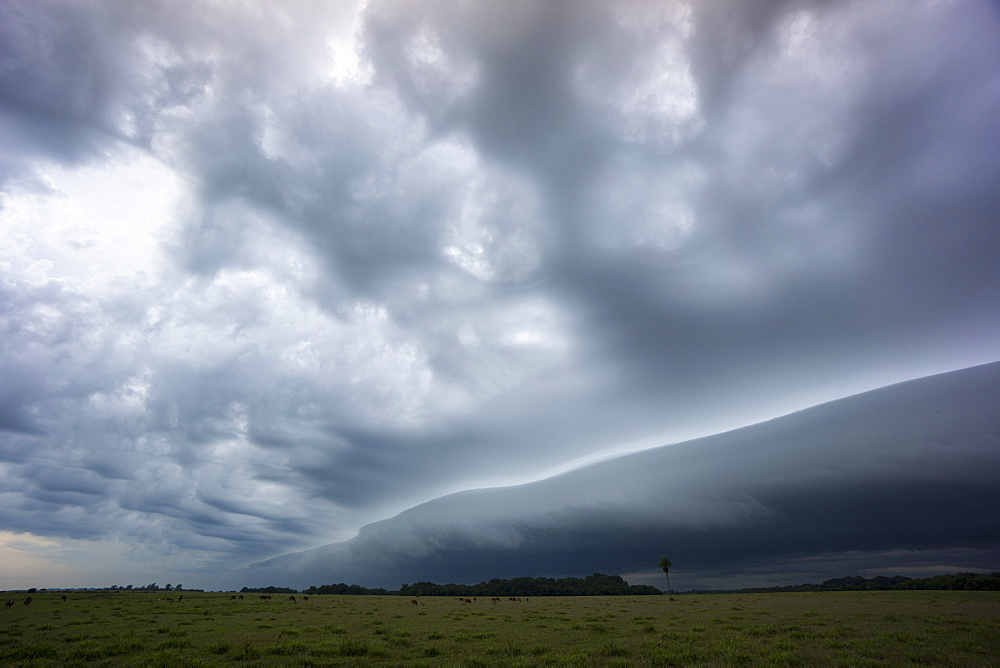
830, 628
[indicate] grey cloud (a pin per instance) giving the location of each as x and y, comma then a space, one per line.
887, 470
70, 85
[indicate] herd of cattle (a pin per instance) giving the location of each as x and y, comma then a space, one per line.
267, 597
26, 601
495, 599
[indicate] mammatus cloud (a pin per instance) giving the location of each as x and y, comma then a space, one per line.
885, 479
270, 274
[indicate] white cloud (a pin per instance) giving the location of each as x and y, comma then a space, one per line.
96, 224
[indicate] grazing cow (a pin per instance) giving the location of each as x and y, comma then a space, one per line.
291, 598
9, 603
180, 598
63, 597
27, 600
305, 598
241, 597
414, 601
232, 598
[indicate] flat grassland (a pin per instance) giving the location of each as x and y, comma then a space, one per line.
207, 629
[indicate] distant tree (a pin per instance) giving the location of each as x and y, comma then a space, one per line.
269, 590
597, 584
168, 587
178, 588
665, 566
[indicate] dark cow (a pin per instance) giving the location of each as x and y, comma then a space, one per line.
27, 600
414, 601
63, 597
9, 603
291, 598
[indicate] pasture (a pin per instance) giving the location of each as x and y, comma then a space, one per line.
206, 629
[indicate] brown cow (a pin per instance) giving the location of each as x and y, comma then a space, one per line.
305, 598
9, 603
241, 597
414, 601
27, 600
291, 598
63, 597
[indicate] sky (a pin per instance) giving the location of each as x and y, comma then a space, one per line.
273, 272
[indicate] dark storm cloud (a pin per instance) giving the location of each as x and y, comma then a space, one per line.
910, 468
75, 79
405, 249
810, 227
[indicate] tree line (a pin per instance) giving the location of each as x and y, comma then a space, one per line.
592, 585
342, 589
268, 590
613, 585
958, 581
597, 584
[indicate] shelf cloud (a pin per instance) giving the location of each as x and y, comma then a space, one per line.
896, 474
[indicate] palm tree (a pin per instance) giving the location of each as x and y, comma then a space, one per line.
665, 567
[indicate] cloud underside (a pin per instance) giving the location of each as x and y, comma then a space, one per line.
893, 474
271, 272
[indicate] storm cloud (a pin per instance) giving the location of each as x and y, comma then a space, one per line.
897, 474
270, 274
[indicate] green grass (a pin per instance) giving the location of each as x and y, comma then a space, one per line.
827, 628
